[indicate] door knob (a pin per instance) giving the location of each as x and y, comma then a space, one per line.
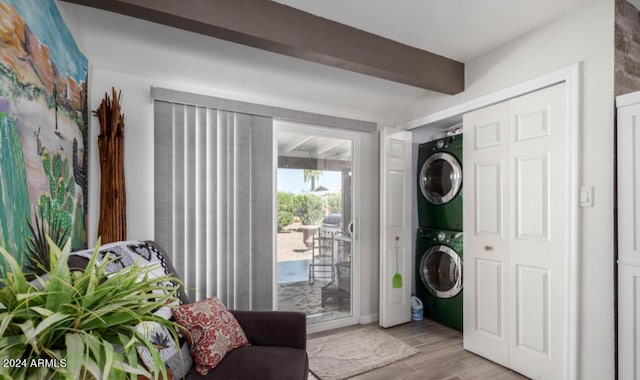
488, 248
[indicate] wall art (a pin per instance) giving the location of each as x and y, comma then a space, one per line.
43, 128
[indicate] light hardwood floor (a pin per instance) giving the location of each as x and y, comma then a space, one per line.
441, 356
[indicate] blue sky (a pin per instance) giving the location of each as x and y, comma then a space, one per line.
292, 180
44, 20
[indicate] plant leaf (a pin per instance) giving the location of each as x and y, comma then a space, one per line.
92, 367
30, 295
13, 340
46, 323
75, 353
42, 311
16, 276
60, 280
5, 319
108, 358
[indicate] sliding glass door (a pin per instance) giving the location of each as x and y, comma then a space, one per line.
315, 209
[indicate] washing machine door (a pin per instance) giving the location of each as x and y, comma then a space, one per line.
441, 271
440, 178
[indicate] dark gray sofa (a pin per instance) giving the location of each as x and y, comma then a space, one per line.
278, 341
278, 349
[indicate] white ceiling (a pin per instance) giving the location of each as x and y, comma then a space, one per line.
308, 146
458, 29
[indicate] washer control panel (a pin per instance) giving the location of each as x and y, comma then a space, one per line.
441, 236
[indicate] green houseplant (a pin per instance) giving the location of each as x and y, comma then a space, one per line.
79, 324
37, 252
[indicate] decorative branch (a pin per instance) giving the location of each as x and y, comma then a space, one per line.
113, 220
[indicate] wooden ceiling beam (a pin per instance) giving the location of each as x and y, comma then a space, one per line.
282, 29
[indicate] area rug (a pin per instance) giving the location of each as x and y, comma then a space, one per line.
338, 357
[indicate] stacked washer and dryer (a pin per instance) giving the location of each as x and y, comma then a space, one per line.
439, 238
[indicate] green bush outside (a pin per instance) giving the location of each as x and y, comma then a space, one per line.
335, 202
285, 218
286, 207
310, 207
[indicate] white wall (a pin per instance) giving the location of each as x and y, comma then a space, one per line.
586, 36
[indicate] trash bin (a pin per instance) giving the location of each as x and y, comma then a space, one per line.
417, 310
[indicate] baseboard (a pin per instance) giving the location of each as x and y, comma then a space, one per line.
369, 318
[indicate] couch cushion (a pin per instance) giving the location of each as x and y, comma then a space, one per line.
213, 332
259, 362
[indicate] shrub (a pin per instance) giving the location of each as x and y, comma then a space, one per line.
286, 201
335, 202
311, 208
285, 218
286, 207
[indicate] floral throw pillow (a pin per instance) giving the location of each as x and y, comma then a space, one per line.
213, 332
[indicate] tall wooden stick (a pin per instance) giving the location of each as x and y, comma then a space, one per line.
113, 206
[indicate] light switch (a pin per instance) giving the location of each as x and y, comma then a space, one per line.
586, 196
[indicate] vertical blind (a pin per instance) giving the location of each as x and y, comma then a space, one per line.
214, 201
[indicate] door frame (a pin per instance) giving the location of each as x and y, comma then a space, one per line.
356, 165
571, 77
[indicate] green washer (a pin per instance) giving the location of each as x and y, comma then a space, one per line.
440, 183
439, 275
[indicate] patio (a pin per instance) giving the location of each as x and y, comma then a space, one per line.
295, 293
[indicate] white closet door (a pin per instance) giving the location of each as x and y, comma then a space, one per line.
395, 227
628, 245
485, 206
629, 183
514, 223
537, 233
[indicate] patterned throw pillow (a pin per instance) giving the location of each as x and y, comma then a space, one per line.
213, 332
175, 357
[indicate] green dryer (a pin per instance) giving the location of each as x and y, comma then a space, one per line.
439, 275
440, 183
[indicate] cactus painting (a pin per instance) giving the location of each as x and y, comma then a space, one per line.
43, 125
58, 205
14, 194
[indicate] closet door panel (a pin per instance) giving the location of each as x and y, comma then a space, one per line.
532, 197
532, 309
489, 177
629, 183
485, 208
629, 322
537, 183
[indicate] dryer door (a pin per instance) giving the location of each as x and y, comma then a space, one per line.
440, 178
441, 271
